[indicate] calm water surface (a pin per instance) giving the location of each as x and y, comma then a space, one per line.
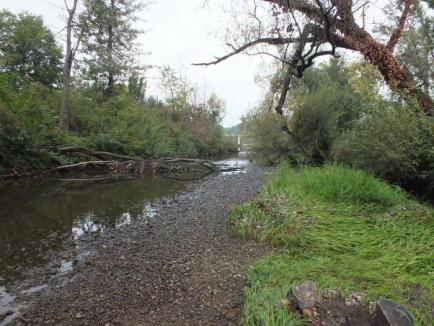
39, 217
36, 216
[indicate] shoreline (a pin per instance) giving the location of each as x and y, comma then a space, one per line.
182, 267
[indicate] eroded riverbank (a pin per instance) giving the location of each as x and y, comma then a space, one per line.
181, 267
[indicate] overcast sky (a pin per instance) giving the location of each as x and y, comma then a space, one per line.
180, 33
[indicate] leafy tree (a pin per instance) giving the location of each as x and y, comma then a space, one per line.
313, 118
216, 108
108, 42
137, 87
178, 90
28, 49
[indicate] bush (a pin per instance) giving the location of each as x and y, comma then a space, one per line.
394, 144
270, 144
320, 106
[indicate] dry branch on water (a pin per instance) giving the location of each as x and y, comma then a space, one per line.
125, 165
98, 154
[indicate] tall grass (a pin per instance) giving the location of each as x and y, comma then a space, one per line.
336, 184
344, 229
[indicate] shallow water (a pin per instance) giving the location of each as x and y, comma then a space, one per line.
37, 216
40, 218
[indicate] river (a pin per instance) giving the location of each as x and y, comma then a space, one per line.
40, 218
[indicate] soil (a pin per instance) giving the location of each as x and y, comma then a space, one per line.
337, 311
180, 268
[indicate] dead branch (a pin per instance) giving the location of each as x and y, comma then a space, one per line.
98, 154
80, 166
269, 40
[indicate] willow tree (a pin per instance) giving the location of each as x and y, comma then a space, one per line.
303, 30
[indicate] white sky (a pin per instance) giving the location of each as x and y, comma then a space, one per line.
178, 33
181, 32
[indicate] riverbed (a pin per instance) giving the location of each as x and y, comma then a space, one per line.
52, 229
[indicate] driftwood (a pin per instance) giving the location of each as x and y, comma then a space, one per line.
98, 154
206, 164
81, 166
128, 165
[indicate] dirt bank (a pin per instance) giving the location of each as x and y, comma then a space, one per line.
181, 268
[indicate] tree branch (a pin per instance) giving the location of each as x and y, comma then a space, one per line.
397, 33
268, 40
302, 6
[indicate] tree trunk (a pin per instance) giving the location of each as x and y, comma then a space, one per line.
110, 84
69, 57
64, 105
381, 56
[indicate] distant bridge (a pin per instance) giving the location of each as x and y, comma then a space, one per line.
244, 143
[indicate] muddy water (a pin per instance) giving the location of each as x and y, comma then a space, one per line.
37, 216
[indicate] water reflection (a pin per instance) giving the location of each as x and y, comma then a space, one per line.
36, 216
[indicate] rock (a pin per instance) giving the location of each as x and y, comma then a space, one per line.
302, 297
78, 316
388, 313
284, 302
5, 314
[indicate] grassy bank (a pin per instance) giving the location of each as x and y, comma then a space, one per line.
343, 229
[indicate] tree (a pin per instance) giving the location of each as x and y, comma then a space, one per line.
216, 108
313, 119
67, 66
178, 90
109, 40
318, 28
415, 50
28, 49
137, 87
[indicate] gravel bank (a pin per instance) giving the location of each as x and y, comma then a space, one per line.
181, 268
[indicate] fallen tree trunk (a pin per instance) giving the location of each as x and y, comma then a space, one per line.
126, 165
83, 165
98, 154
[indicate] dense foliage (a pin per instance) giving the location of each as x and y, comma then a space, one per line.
396, 144
28, 50
336, 113
126, 121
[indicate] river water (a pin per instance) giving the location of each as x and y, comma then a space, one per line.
39, 217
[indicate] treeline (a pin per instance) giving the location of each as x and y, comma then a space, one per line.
341, 112
94, 93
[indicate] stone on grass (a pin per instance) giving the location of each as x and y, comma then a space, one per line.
389, 313
302, 296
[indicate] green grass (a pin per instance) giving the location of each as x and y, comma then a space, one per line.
345, 230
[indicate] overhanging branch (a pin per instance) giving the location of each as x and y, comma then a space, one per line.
267, 40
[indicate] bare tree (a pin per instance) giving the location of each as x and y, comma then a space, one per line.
70, 55
314, 28
67, 67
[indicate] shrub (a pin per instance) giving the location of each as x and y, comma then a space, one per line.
394, 144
